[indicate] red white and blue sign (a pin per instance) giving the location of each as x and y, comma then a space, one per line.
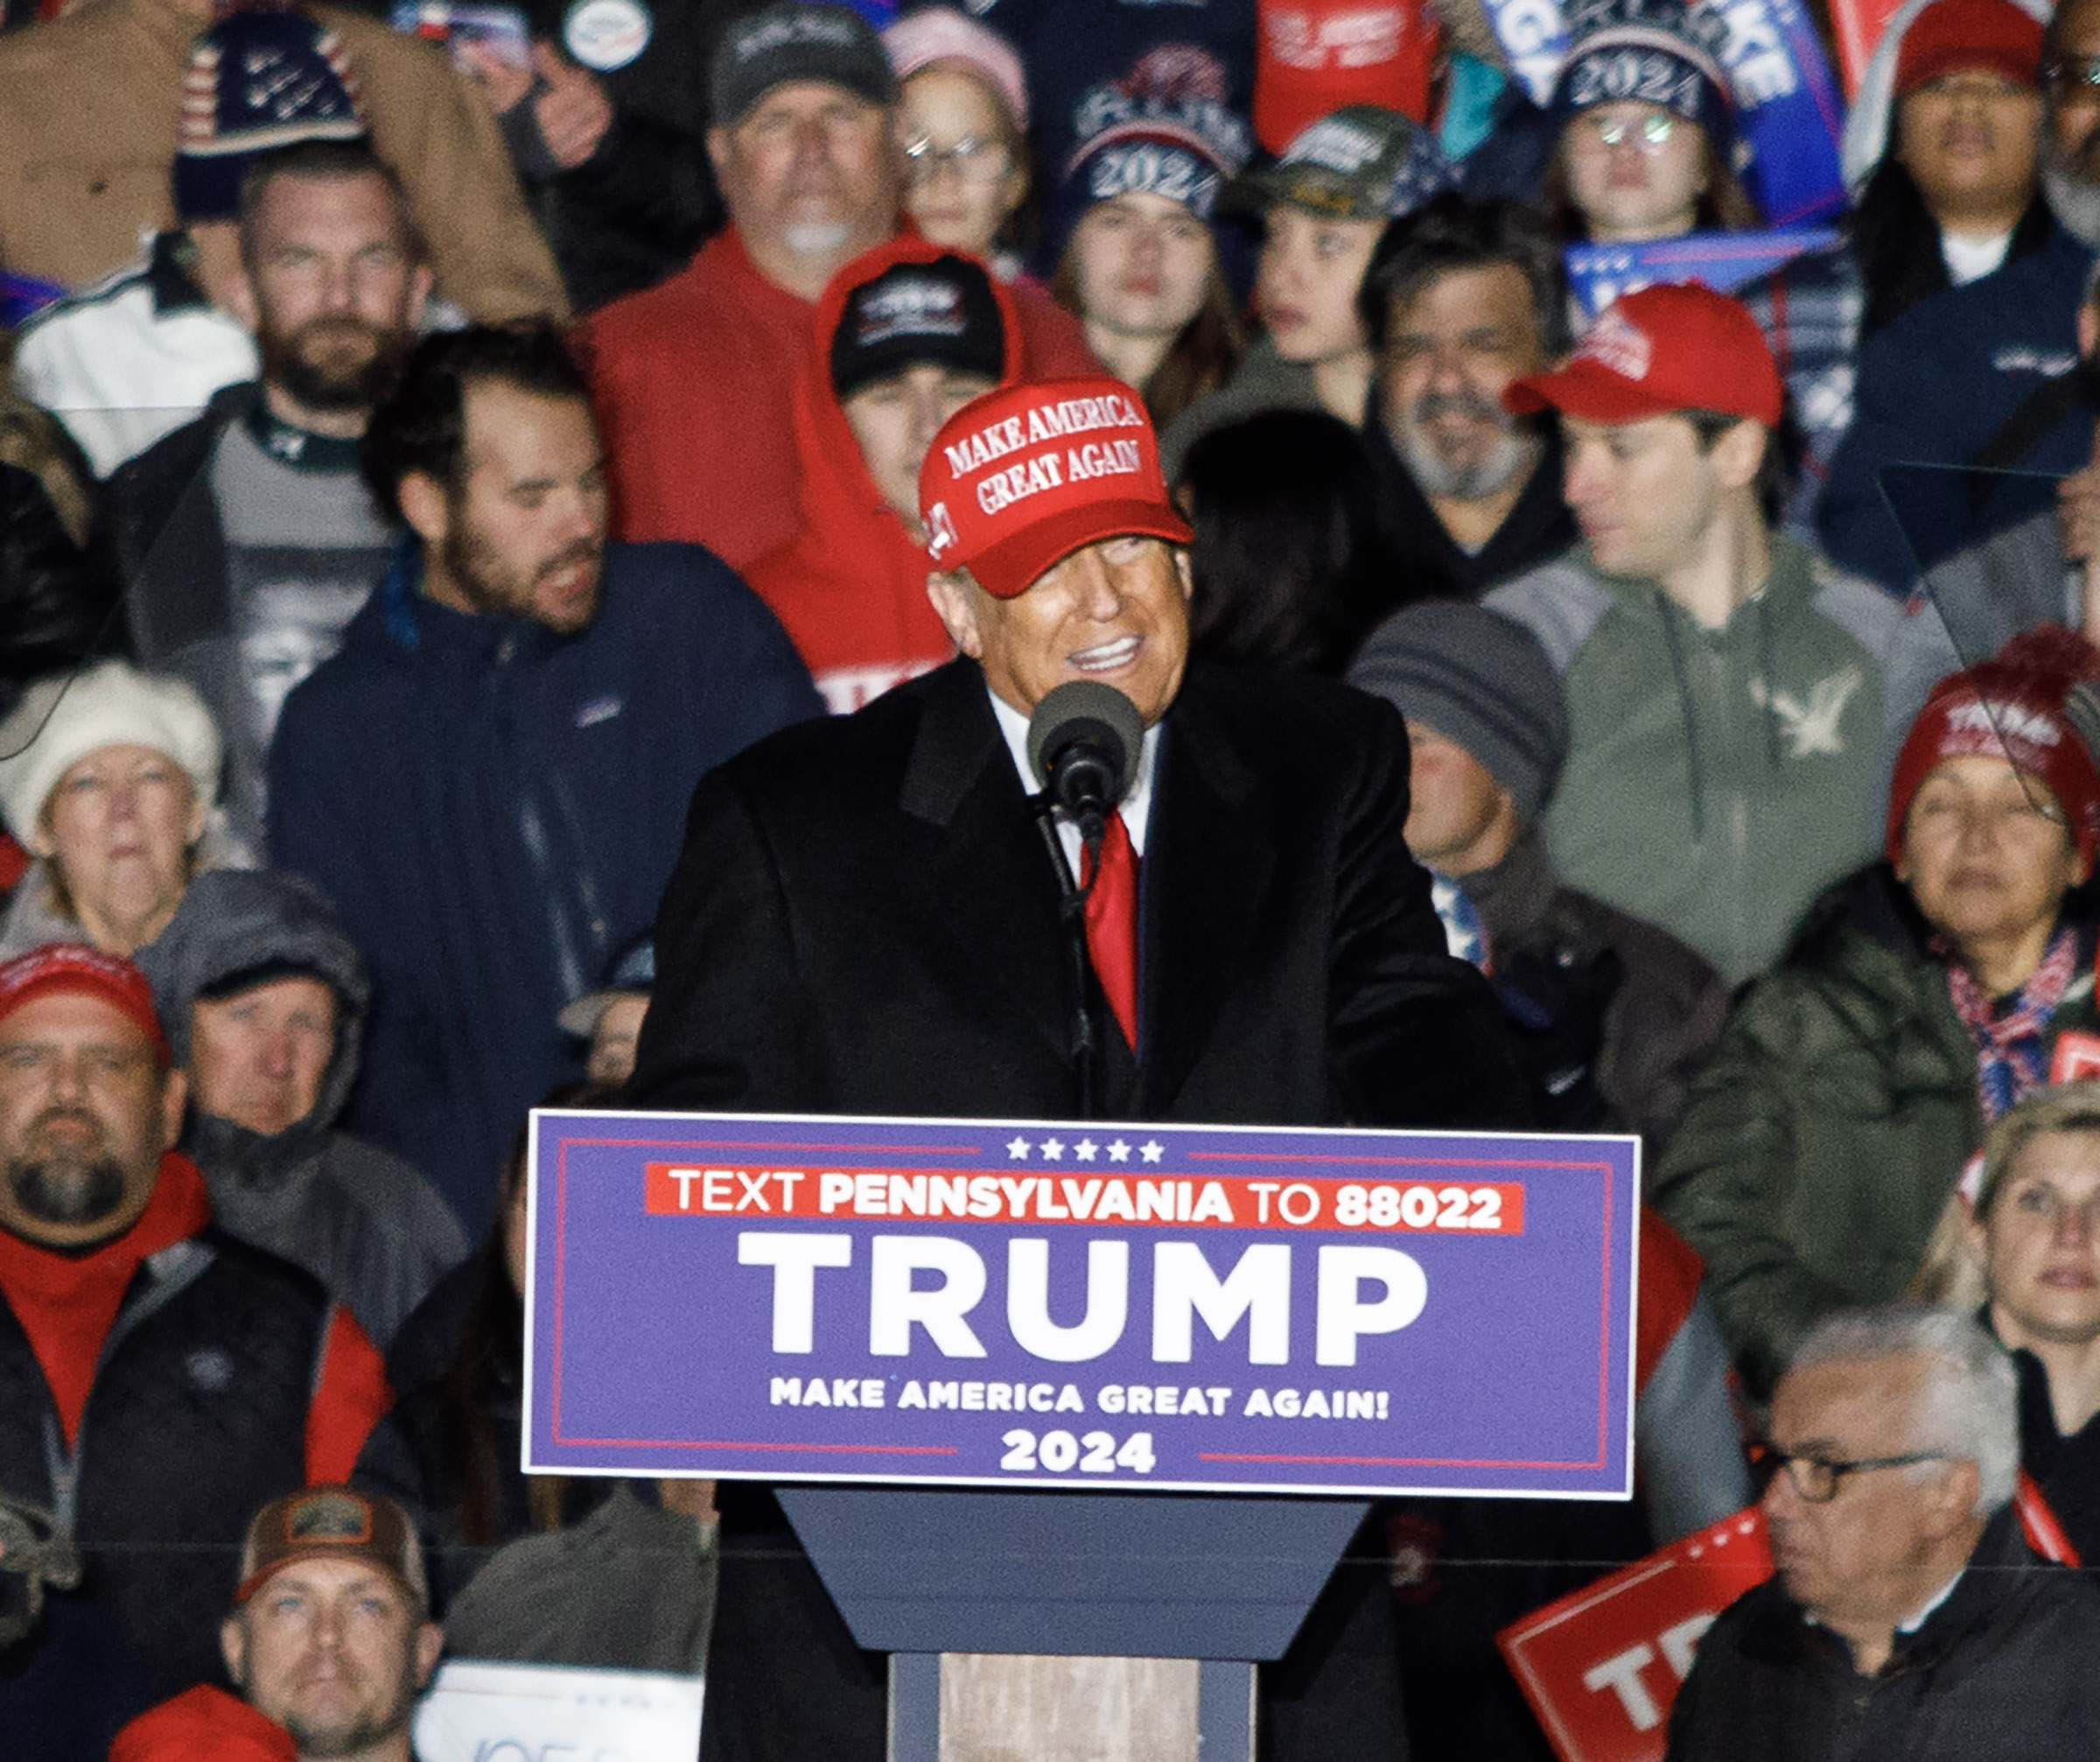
1002, 1303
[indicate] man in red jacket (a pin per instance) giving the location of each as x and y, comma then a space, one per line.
906, 335
692, 378
159, 1381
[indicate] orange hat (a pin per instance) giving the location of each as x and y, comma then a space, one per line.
1025, 475
1680, 347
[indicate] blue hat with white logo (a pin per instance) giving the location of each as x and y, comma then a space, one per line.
1648, 52
1143, 143
257, 80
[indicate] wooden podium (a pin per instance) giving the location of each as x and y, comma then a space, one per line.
1224, 1580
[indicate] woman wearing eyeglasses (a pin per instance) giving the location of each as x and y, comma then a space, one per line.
1920, 1000
1647, 128
962, 117
963, 122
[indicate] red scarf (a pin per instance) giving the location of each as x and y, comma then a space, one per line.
67, 1305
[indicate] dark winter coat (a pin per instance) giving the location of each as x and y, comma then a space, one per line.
1607, 1005
1932, 390
1432, 564
2003, 1671
494, 808
57, 602
1824, 1137
226, 1379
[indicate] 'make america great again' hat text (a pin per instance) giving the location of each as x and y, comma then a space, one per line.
1023, 476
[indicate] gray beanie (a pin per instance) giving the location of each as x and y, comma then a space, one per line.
1481, 681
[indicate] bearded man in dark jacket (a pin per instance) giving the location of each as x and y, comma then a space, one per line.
265, 998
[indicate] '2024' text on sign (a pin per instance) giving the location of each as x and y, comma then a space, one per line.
1157, 1306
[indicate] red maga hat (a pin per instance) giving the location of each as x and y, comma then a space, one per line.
1957, 36
1680, 347
75, 967
1023, 476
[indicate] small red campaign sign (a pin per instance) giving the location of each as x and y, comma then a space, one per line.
1601, 1666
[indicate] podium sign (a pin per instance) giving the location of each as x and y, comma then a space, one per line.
1022, 1304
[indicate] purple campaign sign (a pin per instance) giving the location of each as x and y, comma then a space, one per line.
998, 1304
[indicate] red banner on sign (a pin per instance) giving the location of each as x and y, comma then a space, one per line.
1601, 1666
1229, 1202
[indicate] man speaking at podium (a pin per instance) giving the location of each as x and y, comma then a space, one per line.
878, 914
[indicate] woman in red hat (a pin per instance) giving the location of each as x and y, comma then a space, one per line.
1921, 999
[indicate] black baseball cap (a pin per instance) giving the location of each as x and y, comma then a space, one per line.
944, 312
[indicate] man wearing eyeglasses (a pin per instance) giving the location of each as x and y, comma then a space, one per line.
1908, 1618
693, 379
2071, 74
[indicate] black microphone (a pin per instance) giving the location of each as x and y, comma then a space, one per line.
1083, 741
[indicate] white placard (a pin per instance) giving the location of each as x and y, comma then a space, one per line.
483, 1712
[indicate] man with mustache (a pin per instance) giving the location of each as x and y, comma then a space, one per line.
159, 1380
490, 777
330, 1643
247, 539
1463, 296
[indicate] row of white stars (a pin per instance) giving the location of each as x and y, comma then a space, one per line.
1052, 1149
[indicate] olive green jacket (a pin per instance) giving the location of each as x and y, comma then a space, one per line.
1824, 1139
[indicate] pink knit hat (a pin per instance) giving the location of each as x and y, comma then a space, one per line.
940, 34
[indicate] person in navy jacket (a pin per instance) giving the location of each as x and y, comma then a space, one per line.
490, 780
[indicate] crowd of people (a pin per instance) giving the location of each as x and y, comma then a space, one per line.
483, 508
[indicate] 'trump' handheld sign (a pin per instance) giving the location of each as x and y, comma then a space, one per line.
1601, 1666
1002, 1303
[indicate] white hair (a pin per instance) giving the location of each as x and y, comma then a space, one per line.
1970, 1408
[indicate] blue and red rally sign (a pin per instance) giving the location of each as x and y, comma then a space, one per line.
1021, 1303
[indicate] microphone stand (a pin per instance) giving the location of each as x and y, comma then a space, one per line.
1072, 912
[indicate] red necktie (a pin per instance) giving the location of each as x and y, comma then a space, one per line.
1112, 923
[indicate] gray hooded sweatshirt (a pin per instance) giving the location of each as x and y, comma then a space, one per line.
362, 1222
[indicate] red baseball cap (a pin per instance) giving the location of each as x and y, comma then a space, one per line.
1025, 475
1680, 347
75, 967
2014, 706
1954, 36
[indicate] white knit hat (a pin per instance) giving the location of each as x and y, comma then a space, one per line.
62, 718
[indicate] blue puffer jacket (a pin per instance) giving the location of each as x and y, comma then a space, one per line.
494, 809
1932, 389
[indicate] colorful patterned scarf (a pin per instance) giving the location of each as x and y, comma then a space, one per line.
2012, 1053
